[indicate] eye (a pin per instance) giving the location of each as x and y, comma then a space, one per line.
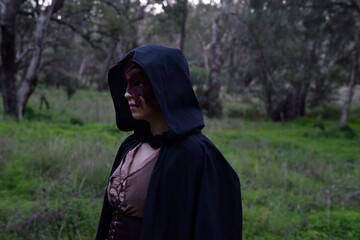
138, 84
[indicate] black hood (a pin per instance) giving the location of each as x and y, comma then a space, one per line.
168, 71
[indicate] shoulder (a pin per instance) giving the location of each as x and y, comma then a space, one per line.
190, 145
193, 150
198, 151
196, 144
130, 141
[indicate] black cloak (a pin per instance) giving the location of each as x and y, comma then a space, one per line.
193, 193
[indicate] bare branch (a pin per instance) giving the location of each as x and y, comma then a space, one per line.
355, 5
125, 14
351, 5
76, 30
23, 54
2, 6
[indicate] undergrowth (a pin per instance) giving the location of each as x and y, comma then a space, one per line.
299, 181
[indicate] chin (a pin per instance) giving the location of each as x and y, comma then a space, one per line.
138, 116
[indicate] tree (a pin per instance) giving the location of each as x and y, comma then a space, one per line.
183, 24
9, 10
15, 101
42, 15
343, 24
354, 75
127, 16
281, 58
221, 35
295, 52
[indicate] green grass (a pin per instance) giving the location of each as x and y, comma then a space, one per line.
53, 178
298, 182
290, 181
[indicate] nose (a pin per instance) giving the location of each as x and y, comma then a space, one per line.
127, 95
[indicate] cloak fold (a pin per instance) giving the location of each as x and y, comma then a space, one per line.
193, 193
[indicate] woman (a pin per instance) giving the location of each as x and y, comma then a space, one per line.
168, 180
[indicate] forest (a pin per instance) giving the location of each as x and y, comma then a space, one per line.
277, 80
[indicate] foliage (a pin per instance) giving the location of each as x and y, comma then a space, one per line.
293, 55
333, 225
199, 77
250, 112
85, 106
326, 111
76, 121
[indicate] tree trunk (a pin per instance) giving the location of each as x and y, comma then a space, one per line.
8, 54
42, 19
351, 86
110, 56
211, 101
84, 70
293, 105
183, 24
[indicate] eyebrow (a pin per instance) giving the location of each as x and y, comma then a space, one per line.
141, 74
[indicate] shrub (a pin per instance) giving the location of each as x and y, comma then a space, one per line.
333, 225
76, 121
251, 112
199, 79
326, 112
33, 115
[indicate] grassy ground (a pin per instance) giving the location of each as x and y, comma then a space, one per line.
298, 182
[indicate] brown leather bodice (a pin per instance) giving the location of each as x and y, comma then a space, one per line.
123, 226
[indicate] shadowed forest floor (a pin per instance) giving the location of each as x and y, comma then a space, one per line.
298, 181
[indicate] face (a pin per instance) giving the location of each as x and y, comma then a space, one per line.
139, 93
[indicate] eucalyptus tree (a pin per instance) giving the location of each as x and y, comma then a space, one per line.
67, 42
222, 35
200, 19
41, 13
342, 26
279, 58
295, 52
119, 26
99, 31
8, 11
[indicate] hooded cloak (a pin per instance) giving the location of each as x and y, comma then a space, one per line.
193, 193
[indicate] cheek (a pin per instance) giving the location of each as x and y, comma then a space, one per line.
134, 92
146, 92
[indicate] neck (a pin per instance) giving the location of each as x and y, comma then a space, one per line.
158, 125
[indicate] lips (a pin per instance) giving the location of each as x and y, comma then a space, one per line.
132, 106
